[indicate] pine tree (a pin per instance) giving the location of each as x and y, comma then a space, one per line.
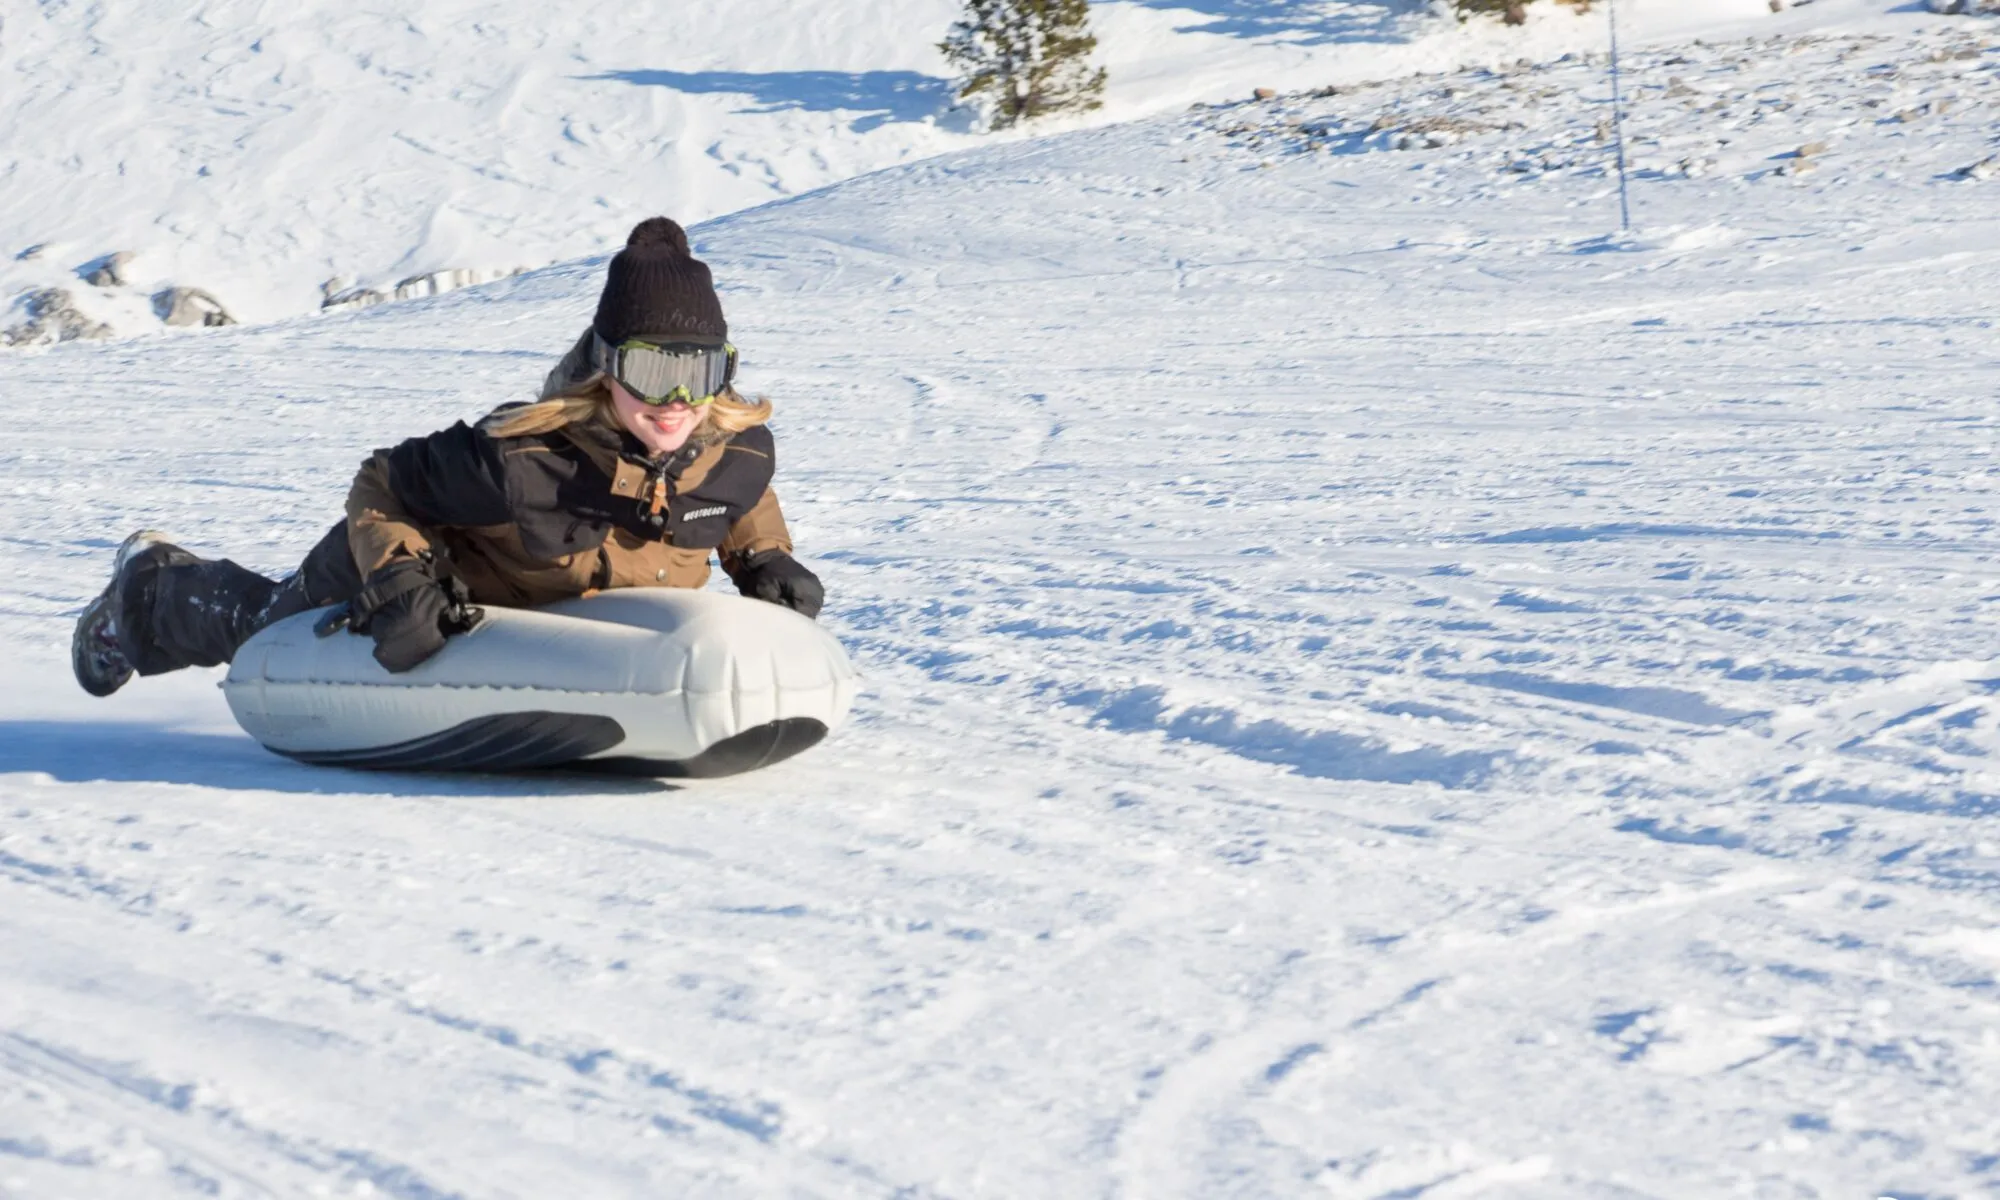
1031, 56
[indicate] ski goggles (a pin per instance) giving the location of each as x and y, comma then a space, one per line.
672, 373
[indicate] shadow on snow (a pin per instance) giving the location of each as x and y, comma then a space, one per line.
1316, 754
1304, 22
129, 752
884, 96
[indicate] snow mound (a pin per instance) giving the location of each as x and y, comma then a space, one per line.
330, 155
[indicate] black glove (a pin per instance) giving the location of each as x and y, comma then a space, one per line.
778, 577
409, 609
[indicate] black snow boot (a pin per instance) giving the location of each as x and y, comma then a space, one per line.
93, 650
95, 654
166, 608
175, 609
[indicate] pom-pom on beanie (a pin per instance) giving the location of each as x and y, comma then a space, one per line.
658, 291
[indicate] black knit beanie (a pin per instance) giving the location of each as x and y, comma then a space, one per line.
657, 290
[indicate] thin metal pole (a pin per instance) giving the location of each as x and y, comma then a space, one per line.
1618, 124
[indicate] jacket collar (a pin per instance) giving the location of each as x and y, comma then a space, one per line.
603, 445
624, 460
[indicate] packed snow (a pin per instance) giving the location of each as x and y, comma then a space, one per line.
1378, 684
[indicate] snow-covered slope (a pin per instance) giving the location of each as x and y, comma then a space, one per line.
267, 152
1378, 686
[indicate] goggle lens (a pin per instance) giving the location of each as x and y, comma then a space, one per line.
663, 375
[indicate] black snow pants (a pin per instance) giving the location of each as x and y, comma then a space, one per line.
175, 609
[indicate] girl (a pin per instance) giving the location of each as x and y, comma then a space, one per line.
638, 462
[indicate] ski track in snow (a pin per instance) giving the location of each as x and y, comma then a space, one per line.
1374, 689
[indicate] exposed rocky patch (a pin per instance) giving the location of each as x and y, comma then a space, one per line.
339, 293
190, 306
113, 270
52, 316
1777, 108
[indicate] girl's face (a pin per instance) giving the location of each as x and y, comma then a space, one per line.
661, 430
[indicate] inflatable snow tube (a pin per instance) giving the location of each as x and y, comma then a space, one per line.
657, 681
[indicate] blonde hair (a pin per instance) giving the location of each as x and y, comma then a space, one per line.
590, 400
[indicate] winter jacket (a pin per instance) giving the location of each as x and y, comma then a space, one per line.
530, 520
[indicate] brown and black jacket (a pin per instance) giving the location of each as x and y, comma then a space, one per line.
530, 520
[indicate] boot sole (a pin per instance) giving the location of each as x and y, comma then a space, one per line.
80, 649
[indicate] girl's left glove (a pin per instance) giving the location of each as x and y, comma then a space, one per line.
410, 608
778, 577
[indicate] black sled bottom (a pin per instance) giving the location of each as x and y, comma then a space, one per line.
531, 740
761, 746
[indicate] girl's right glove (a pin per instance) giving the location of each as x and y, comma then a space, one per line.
410, 609
778, 577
